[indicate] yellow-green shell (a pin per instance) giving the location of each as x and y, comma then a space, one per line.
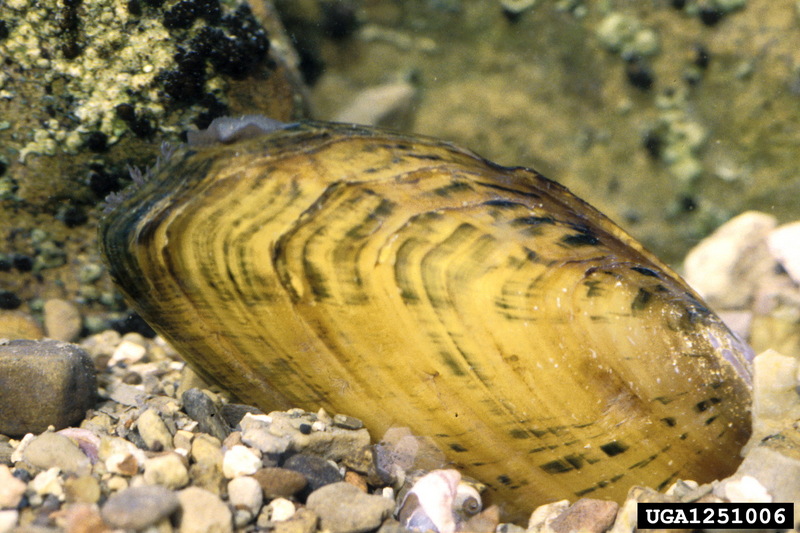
409, 282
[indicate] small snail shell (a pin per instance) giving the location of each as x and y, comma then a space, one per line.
438, 502
409, 282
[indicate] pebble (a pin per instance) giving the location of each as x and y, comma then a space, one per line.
335, 443
356, 479
45, 383
139, 507
206, 472
725, 266
167, 470
586, 515
280, 482
62, 320
19, 325
303, 521
343, 508
50, 450
154, 431
280, 509
102, 344
8, 519
543, 515
389, 106
240, 461
203, 512
182, 440
6, 451
746, 489
131, 350
771, 462
234, 412
245, 492
48, 482
347, 422
203, 409
317, 471
125, 464
84, 489
189, 380
120, 456
783, 245
775, 396
257, 432
81, 518
125, 394
11, 488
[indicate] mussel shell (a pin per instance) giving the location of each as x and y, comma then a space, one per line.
408, 282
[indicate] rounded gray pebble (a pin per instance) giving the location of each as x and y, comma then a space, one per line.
343, 508
51, 449
139, 507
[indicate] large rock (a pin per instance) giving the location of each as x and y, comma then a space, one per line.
43, 383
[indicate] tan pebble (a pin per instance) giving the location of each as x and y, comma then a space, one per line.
82, 518
11, 488
19, 325
167, 470
206, 472
360, 460
233, 439
54, 450
154, 431
62, 320
245, 493
117, 483
84, 489
354, 478
189, 380
207, 449
586, 515
303, 521
182, 439
203, 512
775, 397
103, 343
